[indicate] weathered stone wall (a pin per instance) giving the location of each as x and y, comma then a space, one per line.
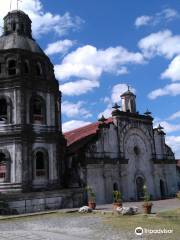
41, 201
131, 140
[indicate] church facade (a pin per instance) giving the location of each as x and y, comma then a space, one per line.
123, 152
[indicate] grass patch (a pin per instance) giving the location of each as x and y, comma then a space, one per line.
172, 213
163, 220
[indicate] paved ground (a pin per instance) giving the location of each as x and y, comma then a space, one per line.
70, 226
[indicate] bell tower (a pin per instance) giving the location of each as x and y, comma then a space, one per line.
128, 101
31, 140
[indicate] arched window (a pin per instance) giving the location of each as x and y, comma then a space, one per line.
3, 110
22, 28
41, 165
26, 67
12, 67
4, 166
38, 111
38, 69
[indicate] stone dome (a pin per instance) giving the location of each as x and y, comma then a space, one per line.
128, 93
15, 41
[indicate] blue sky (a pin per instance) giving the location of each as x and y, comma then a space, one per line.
99, 46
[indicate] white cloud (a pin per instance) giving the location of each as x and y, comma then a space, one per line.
168, 127
174, 116
90, 62
173, 70
75, 109
170, 89
169, 14
61, 46
42, 22
142, 21
78, 87
164, 16
174, 143
73, 124
107, 112
117, 91
162, 43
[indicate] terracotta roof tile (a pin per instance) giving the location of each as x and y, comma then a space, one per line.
178, 163
83, 132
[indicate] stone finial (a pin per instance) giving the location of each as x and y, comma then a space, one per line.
102, 119
147, 112
160, 127
116, 106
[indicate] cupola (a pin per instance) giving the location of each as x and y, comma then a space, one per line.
128, 101
17, 22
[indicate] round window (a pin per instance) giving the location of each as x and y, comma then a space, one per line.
136, 150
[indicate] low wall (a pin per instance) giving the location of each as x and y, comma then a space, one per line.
40, 201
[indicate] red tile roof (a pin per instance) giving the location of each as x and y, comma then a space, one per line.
178, 163
83, 132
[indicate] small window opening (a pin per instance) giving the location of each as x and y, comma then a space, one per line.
0, 68
12, 67
3, 110
14, 26
26, 67
38, 111
38, 69
3, 168
22, 28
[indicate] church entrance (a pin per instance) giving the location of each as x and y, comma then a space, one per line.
162, 189
139, 186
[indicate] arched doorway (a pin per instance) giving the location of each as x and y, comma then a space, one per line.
115, 187
139, 186
162, 189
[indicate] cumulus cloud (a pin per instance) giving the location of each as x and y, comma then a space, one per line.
78, 87
73, 124
170, 89
75, 109
43, 22
164, 16
174, 116
116, 92
162, 43
142, 21
173, 70
61, 46
168, 127
107, 112
89, 62
167, 45
174, 143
